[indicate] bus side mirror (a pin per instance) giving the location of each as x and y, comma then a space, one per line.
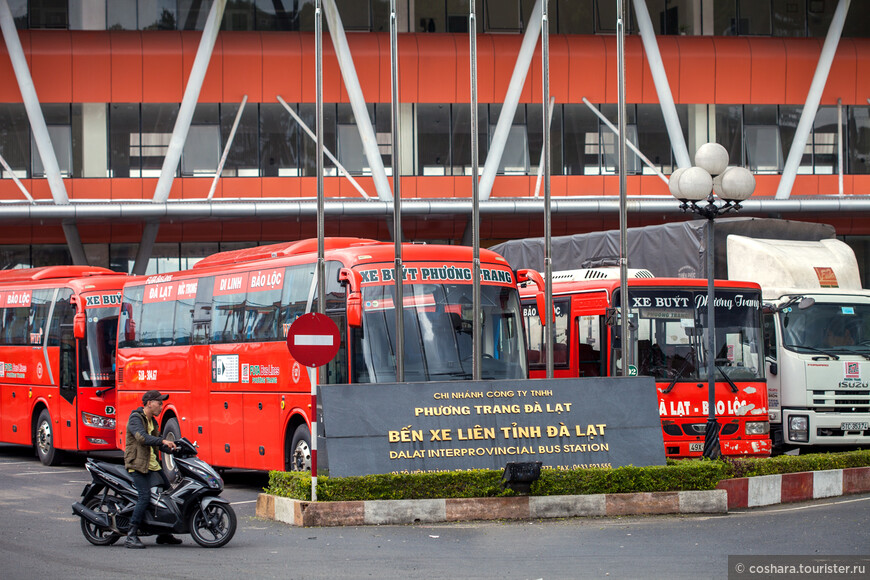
79, 325
348, 279
533, 276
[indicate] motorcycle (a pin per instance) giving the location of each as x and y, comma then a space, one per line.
190, 506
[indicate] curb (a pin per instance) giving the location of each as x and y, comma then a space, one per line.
359, 513
746, 492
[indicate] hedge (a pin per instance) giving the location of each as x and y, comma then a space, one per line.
702, 474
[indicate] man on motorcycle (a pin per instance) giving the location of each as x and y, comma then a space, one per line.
140, 459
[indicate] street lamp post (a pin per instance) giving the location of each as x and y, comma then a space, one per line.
710, 188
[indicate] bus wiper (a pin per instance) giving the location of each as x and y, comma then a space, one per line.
677, 376
734, 388
814, 349
102, 392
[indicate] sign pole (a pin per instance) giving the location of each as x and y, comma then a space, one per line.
312, 378
312, 373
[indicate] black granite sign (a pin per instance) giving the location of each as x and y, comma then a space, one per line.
446, 426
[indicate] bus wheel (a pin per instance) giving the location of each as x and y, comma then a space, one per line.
45, 449
171, 432
299, 458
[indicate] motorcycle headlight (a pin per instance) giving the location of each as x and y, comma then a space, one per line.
212, 480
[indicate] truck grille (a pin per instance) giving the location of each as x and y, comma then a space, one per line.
841, 400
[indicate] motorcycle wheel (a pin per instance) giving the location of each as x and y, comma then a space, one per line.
214, 526
98, 535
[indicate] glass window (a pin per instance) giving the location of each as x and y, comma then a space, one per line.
609, 142
536, 335
856, 20
789, 116
355, 14
276, 15
763, 144
825, 139
15, 140
297, 289
158, 15
228, 314
263, 306
164, 258
158, 121
155, 328
63, 313
503, 16
239, 16
40, 304
819, 16
48, 14
789, 17
50, 255
131, 314
19, 13
184, 307
535, 124
754, 17
243, 157
350, 147
202, 148
671, 17
725, 18
14, 257
16, 325
653, 139
461, 132
590, 363
858, 140
59, 123
125, 159
515, 158
581, 140
383, 126
192, 14
278, 145
729, 131
193, 252
308, 146
575, 16
433, 139
121, 15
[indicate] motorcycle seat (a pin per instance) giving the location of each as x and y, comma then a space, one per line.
118, 471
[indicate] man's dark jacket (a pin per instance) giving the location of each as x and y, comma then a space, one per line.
137, 453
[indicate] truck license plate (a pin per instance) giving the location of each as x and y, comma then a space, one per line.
854, 426
697, 446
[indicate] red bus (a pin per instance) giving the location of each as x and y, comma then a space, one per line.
213, 338
667, 338
58, 328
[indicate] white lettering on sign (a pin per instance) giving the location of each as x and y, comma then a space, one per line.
313, 339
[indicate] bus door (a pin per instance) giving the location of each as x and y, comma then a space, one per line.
587, 312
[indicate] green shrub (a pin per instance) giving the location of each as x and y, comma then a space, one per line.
696, 474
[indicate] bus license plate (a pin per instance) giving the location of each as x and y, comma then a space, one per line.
854, 426
696, 446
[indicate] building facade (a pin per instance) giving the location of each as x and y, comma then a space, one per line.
110, 77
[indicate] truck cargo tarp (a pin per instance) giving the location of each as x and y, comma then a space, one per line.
675, 249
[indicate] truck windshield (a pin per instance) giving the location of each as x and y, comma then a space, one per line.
827, 326
671, 333
438, 326
97, 352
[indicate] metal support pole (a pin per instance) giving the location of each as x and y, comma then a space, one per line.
663, 89
540, 178
628, 143
357, 100
229, 144
711, 434
814, 96
341, 169
840, 146
397, 197
475, 198
625, 346
549, 319
321, 262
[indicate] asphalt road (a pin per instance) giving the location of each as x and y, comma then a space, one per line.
39, 537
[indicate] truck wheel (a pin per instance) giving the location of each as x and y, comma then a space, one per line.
45, 448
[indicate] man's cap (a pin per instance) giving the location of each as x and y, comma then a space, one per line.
153, 396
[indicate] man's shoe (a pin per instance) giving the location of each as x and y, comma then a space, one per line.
134, 542
168, 539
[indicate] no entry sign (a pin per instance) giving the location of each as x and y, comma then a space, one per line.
313, 339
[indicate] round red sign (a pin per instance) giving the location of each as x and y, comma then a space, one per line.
313, 339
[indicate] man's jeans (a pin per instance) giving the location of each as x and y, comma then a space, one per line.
143, 484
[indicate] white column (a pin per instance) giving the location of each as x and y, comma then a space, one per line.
95, 146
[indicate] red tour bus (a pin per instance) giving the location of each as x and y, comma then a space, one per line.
58, 328
668, 338
213, 338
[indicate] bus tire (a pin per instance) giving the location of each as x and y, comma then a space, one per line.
299, 452
44, 440
172, 432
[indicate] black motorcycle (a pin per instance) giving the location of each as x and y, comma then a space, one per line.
190, 506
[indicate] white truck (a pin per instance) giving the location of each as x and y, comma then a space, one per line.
817, 316
817, 338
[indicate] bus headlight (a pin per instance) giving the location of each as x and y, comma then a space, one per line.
799, 428
98, 421
757, 427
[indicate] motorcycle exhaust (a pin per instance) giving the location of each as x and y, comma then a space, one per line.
95, 518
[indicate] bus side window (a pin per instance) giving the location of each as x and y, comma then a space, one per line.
589, 346
202, 309
294, 299
39, 307
131, 316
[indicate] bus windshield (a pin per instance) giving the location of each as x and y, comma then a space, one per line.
671, 334
97, 357
827, 326
438, 334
